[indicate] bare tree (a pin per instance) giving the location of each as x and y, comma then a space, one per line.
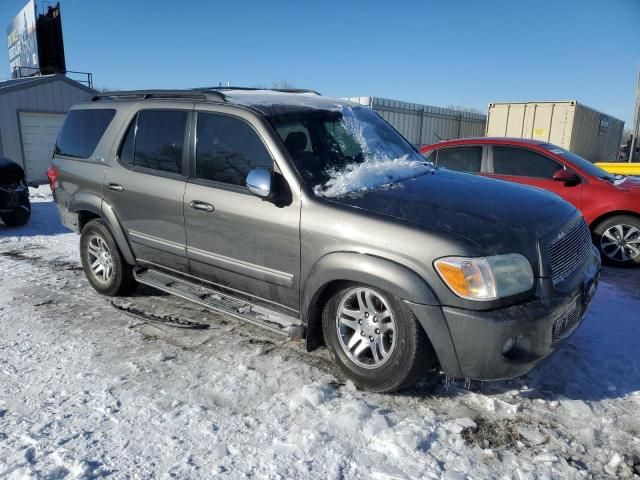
283, 85
461, 108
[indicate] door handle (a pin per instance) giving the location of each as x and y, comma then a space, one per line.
116, 188
202, 206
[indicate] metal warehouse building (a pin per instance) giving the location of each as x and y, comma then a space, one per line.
31, 113
424, 124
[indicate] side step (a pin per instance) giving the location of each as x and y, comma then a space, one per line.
223, 303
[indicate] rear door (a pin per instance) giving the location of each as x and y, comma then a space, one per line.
145, 184
235, 239
523, 165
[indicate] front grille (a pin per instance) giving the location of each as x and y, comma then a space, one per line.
566, 322
569, 251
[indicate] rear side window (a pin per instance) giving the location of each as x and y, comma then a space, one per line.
228, 149
463, 159
155, 140
81, 132
523, 162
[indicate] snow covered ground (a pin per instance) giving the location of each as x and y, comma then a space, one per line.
88, 392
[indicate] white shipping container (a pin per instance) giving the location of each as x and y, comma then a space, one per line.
424, 124
570, 125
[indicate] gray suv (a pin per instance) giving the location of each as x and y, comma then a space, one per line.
313, 217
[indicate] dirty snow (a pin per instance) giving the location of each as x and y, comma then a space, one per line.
87, 392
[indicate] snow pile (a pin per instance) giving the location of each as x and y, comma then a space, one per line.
87, 392
369, 175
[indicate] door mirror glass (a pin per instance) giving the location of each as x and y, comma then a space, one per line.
566, 176
259, 182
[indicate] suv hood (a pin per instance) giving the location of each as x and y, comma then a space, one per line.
498, 216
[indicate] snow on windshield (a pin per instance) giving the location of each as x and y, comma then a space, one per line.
369, 175
385, 160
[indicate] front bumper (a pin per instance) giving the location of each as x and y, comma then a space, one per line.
469, 343
12, 197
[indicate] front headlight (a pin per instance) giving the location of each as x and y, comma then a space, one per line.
486, 278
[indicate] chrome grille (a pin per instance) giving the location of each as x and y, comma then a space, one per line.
569, 251
566, 322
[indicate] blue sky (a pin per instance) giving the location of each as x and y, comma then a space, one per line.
456, 52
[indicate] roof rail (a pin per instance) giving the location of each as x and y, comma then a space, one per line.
283, 90
151, 94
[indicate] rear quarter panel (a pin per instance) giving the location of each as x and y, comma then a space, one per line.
80, 181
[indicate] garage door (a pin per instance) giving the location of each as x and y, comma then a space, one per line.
39, 132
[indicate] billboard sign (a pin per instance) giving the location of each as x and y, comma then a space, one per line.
22, 40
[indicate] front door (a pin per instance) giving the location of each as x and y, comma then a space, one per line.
145, 186
526, 166
235, 239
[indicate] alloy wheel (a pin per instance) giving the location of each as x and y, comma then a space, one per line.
621, 243
366, 327
100, 259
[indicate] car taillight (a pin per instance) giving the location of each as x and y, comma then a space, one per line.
52, 175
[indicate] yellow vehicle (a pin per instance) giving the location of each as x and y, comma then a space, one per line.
621, 168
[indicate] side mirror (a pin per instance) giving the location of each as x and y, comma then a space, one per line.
259, 182
566, 176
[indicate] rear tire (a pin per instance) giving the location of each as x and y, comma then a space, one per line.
103, 263
618, 240
375, 339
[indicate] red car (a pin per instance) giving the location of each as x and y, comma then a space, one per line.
610, 203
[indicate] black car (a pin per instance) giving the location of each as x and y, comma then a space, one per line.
15, 208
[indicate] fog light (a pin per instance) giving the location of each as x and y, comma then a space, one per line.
508, 345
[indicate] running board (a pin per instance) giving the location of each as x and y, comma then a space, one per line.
223, 303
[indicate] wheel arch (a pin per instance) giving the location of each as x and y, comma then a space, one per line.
89, 207
338, 268
614, 213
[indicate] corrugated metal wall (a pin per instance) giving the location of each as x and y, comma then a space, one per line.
583, 130
424, 124
593, 141
50, 97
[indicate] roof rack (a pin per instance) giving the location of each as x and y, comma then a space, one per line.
283, 90
208, 94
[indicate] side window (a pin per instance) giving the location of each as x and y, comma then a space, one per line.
125, 155
81, 132
522, 162
461, 159
228, 149
159, 140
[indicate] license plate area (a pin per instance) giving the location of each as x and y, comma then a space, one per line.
569, 320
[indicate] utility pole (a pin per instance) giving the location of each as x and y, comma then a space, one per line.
635, 129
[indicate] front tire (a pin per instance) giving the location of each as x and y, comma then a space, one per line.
618, 239
375, 339
103, 264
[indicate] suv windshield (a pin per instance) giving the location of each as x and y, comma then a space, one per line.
347, 150
582, 163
